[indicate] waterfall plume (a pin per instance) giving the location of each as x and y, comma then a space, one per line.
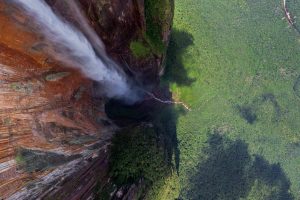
77, 50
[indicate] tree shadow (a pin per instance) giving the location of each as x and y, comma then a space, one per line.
162, 116
175, 71
165, 117
228, 171
165, 121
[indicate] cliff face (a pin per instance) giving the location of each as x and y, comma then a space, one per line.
54, 132
135, 32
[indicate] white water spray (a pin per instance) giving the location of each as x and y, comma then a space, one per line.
78, 51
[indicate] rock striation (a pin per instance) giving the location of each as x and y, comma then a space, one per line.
54, 133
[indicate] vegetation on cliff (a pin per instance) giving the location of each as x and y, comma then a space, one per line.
139, 49
158, 16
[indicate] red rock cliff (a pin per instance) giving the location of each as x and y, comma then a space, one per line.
53, 133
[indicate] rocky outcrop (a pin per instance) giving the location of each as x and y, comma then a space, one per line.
54, 133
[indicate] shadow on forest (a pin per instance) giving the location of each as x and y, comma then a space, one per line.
134, 155
249, 112
164, 117
175, 71
228, 171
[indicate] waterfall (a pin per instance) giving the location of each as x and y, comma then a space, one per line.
78, 52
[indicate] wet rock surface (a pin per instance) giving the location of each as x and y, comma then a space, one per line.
48, 118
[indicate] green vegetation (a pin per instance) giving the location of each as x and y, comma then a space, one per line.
25, 87
158, 16
227, 171
34, 160
236, 63
138, 157
57, 76
294, 9
137, 154
103, 192
147, 151
139, 50
20, 160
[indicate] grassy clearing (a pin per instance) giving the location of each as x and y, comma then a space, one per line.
238, 66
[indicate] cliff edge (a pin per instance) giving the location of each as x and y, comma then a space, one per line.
54, 132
